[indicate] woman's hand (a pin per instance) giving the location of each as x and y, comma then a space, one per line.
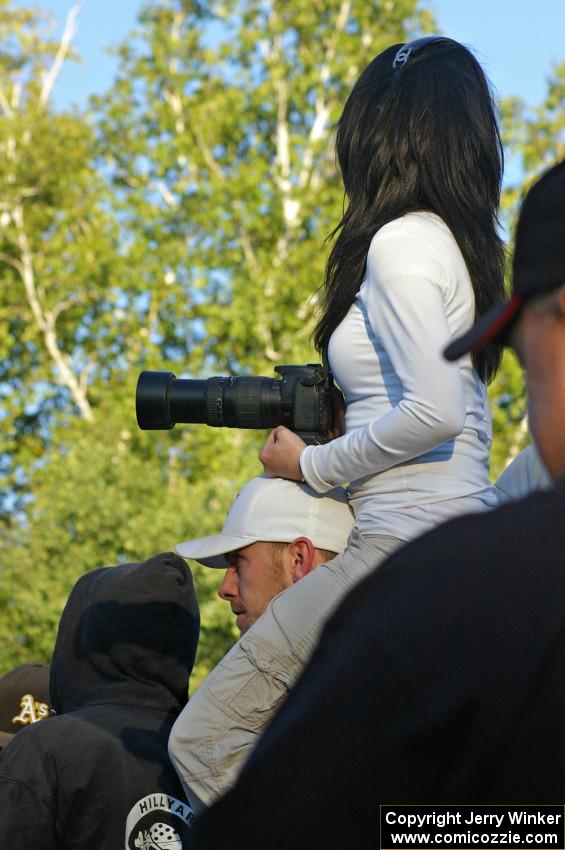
281, 452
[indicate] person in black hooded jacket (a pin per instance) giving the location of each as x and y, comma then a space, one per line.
97, 775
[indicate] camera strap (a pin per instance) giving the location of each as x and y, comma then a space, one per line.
322, 373
326, 365
325, 362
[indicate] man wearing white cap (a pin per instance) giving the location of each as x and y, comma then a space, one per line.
276, 532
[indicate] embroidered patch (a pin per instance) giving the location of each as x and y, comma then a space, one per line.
32, 710
159, 822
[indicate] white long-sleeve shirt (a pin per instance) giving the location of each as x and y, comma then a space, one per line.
417, 429
526, 474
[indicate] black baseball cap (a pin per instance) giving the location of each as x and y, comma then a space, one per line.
24, 699
538, 266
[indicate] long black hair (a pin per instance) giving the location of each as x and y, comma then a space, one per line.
422, 136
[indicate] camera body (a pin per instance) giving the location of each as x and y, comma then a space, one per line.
300, 399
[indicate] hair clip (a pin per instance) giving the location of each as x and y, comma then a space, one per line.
401, 57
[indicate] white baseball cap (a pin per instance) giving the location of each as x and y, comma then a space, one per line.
276, 510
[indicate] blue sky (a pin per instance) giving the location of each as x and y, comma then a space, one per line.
517, 41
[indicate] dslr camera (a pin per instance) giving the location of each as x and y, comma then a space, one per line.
300, 399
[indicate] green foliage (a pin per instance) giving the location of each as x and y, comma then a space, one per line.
179, 223
220, 141
102, 497
58, 254
508, 407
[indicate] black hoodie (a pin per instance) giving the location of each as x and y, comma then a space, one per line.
97, 775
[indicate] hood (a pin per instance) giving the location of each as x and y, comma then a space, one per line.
128, 634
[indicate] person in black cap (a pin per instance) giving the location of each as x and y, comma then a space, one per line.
97, 775
24, 699
441, 677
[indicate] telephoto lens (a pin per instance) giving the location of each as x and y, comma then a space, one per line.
162, 400
300, 399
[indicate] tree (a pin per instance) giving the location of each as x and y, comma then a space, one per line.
180, 226
56, 247
219, 133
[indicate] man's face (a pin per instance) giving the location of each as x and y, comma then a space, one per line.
255, 574
539, 340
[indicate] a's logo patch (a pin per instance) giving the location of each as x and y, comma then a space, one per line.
159, 822
32, 710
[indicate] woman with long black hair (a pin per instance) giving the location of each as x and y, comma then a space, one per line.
416, 259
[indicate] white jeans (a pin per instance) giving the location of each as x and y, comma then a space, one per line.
217, 729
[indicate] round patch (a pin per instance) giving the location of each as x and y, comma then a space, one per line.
159, 822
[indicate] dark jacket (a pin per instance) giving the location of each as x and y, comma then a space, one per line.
97, 776
440, 679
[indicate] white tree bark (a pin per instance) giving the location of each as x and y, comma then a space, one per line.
46, 319
51, 75
23, 263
